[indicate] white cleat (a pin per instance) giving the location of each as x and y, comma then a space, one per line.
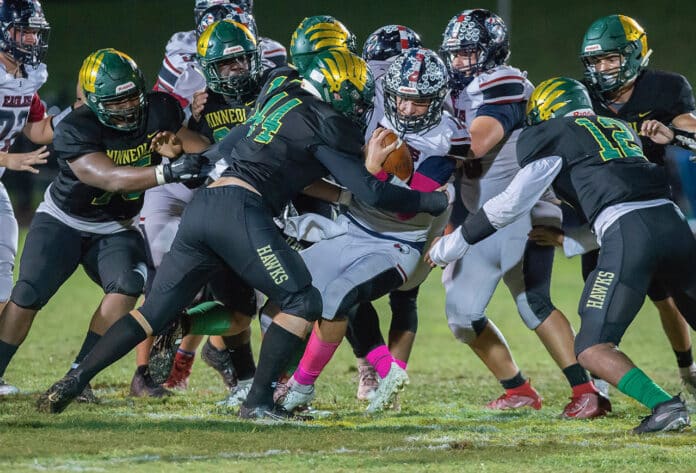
7, 389
389, 387
237, 395
298, 395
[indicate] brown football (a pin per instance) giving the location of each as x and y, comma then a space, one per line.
399, 162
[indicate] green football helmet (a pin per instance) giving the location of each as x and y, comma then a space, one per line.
344, 80
110, 78
614, 34
558, 97
229, 56
319, 33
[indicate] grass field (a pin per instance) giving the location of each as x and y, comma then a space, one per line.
441, 426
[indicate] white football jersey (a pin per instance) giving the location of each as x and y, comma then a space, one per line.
501, 85
179, 74
435, 142
19, 103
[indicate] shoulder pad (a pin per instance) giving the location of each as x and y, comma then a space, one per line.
183, 42
503, 84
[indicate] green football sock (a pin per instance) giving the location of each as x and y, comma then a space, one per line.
209, 318
640, 387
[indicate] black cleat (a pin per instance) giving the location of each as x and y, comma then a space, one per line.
220, 361
164, 349
274, 413
143, 385
87, 396
60, 395
666, 416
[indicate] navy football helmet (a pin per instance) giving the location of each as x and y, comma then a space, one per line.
389, 41
419, 75
482, 35
20, 20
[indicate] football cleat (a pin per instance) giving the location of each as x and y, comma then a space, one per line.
586, 406
666, 416
181, 370
298, 396
237, 395
602, 386
7, 389
87, 396
60, 395
142, 385
274, 413
522, 396
220, 361
367, 382
281, 389
164, 349
388, 388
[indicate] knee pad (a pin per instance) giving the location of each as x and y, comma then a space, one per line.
130, 283
404, 310
468, 333
27, 297
305, 303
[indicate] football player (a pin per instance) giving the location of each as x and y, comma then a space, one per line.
181, 77
229, 57
380, 50
596, 164
178, 75
615, 54
377, 251
300, 132
23, 44
108, 152
490, 96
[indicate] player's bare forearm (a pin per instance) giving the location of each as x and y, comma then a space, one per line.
97, 170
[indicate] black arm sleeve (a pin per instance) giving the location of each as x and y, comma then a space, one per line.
476, 227
350, 172
223, 149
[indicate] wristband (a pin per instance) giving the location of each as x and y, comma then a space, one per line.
159, 174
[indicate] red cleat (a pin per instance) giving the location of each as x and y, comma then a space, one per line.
587, 406
181, 370
515, 398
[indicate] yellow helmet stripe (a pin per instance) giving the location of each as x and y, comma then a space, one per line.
245, 29
205, 38
327, 35
90, 66
344, 66
544, 97
634, 31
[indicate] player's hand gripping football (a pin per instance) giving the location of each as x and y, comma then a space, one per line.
166, 144
376, 152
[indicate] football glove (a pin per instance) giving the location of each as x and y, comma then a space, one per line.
449, 248
185, 168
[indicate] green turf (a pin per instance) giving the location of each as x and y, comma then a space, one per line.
441, 426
